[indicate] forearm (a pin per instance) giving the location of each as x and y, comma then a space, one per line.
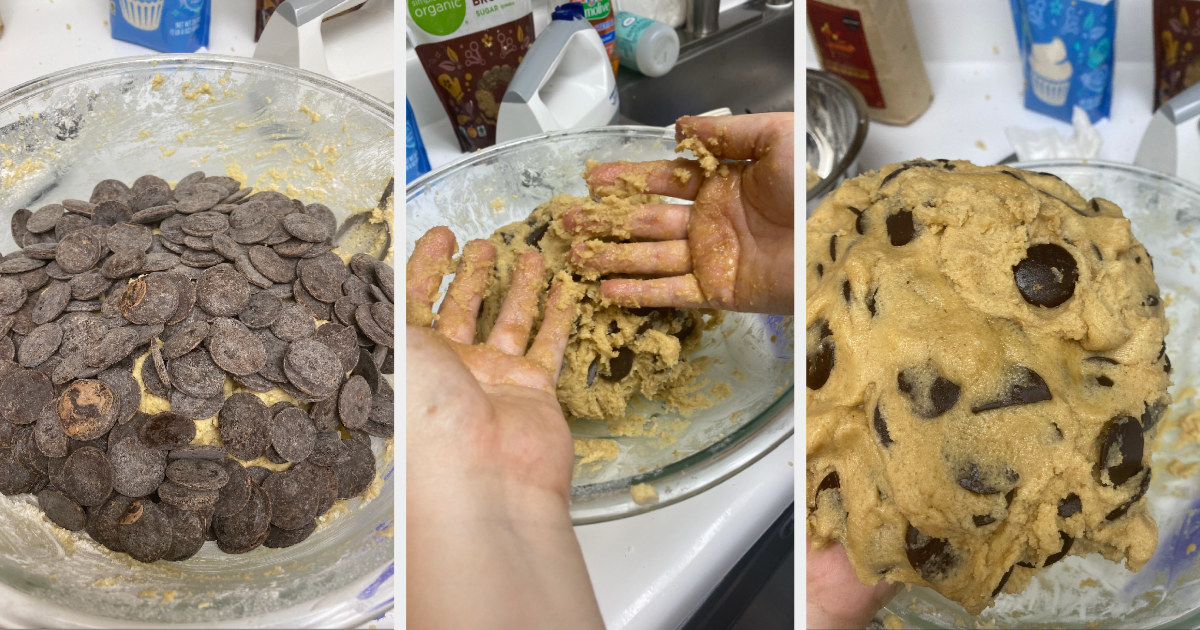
475, 561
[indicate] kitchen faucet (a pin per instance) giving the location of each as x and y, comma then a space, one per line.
702, 17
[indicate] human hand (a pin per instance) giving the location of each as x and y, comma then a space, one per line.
489, 454
503, 396
731, 249
836, 598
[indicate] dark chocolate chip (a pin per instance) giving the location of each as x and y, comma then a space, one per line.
1152, 414
1137, 495
87, 476
932, 558
87, 409
1025, 387
1047, 275
901, 229
620, 365
1120, 451
1104, 381
236, 492
981, 520
988, 480
820, 359
145, 531
243, 424
881, 429
593, 369
167, 431
61, 510
292, 434
830, 482
536, 234
246, 528
1062, 553
1003, 581
928, 398
1070, 505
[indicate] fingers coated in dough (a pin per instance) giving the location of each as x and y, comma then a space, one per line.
665, 258
679, 178
658, 221
430, 261
551, 341
677, 291
456, 318
515, 321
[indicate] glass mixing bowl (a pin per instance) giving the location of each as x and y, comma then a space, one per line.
483, 191
1163, 211
270, 126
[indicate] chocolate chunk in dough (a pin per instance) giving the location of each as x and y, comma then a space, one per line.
1120, 451
1025, 387
901, 229
929, 394
1047, 275
932, 558
820, 357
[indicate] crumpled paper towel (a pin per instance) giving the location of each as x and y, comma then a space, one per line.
1047, 143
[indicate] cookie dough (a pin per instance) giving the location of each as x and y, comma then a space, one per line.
986, 366
613, 353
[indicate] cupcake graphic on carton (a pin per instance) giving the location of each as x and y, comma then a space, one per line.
1050, 72
1067, 55
142, 14
169, 26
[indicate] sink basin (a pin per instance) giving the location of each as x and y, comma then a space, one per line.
748, 67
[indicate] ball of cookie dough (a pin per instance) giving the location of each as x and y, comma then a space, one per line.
985, 370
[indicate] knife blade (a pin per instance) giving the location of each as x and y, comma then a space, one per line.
1159, 147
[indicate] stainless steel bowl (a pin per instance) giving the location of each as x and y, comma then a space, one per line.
835, 128
272, 126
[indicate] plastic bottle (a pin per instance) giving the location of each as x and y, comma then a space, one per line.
600, 14
647, 46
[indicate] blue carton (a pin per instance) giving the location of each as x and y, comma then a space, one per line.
416, 162
1067, 53
171, 26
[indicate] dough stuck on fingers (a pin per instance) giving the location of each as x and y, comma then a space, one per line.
614, 352
985, 371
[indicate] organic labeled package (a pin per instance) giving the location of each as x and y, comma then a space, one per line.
1067, 54
470, 51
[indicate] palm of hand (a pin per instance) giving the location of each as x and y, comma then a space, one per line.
740, 225
520, 424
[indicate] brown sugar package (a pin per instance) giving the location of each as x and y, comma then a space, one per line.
470, 52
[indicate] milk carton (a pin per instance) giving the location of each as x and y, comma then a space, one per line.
1067, 52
